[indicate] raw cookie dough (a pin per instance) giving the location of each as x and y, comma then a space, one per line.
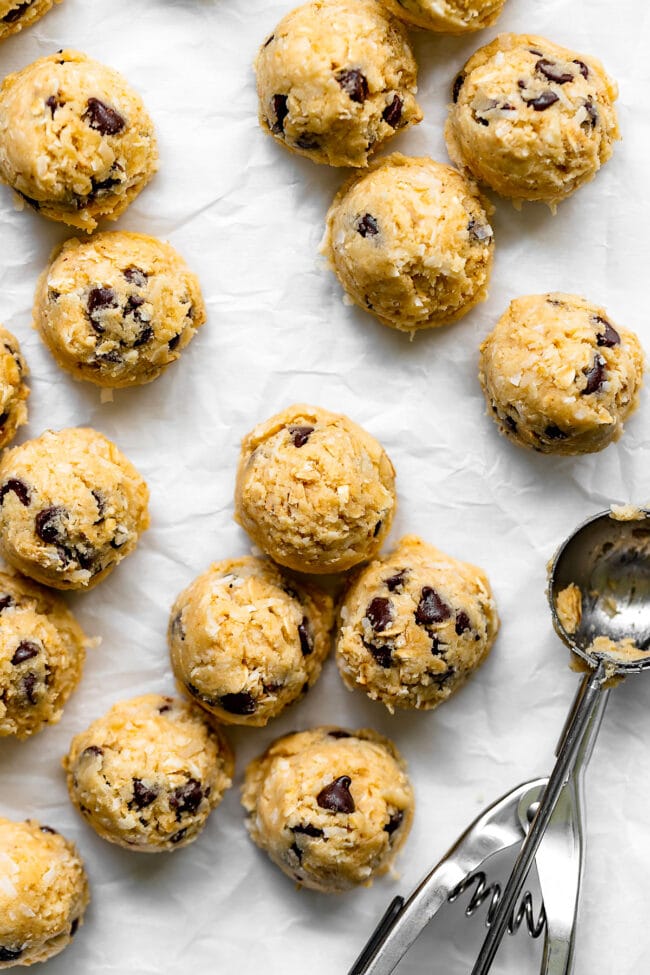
71, 507
247, 640
75, 141
314, 491
117, 308
531, 119
447, 16
330, 807
335, 80
410, 242
16, 14
415, 624
42, 651
148, 774
43, 893
558, 376
13, 388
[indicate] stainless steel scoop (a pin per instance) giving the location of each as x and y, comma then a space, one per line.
609, 561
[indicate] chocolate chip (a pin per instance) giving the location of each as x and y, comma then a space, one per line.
533, 50
26, 650
28, 199
353, 83
131, 307
143, 796
394, 822
308, 830
135, 275
554, 72
462, 622
280, 110
377, 529
392, 114
584, 70
458, 84
3, 418
103, 118
431, 608
166, 706
99, 188
383, 655
268, 40
510, 423
27, 684
239, 703
52, 103
300, 435
297, 852
48, 829
541, 102
592, 113
595, 374
553, 432
11, 18
145, 336
186, 798
100, 502
339, 734
380, 613
177, 837
98, 300
367, 226
306, 639
74, 927
607, 337
112, 356
437, 648
6, 601
441, 679
307, 140
336, 796
173, 342
19, 488
48, 525
92, 750
396, 582
9, 954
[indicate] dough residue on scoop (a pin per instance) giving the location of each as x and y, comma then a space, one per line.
568, 606
627, 512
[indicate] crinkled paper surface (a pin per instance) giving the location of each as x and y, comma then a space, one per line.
249, 217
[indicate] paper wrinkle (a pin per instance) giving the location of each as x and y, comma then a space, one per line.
248, 218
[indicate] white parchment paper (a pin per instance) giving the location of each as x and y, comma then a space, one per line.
248, 217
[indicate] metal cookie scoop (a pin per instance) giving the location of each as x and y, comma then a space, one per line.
604, 567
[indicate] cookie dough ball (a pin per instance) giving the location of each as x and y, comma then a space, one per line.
43, 893
314, 491
75, 141
13, 388
149, 773
16, 14
531, 119
558, 376
336, 79
411, 243
117, 308
447, 16
71, 507
330, 807
247, 640
42, 651
415, 625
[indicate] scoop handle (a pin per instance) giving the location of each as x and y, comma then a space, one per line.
587, 700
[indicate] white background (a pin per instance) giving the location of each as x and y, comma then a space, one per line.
248, 217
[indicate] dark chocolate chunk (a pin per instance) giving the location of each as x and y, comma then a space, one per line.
394, 822
280, 105
462, 622
186, 798
52, 103
607, 336
510, 423
541, 102
173, 342
396, 582
19, 488
297, 852
307, 140
142, 795
392, 114
74, 927
380, 613
177, 837
135, 275
308, 830
306, 639
458, 84
94, 750
592, 113
584, 70
48, 525
167, 705
382, 654
239, 703
441, 679
554, 72
431, 608
103, 118
336, 796
300, 435
146, 334
9, 954
100, 502
377, 529
553, 432
353, 83
11, 18
98, 300
27, 684
367, 226
6, 601
26, 650
131, 307
337, 733
595, 374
